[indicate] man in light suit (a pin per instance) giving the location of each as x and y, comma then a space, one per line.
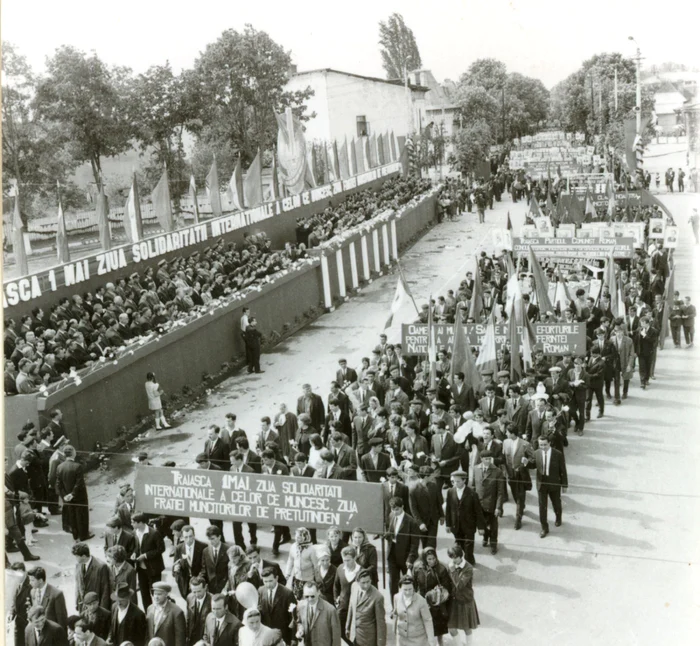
366, 622
51, 599
198, 609
164, 617
404, 539
221, 626
318, 623
444, 451
395, 394
535, 418
551, 481
625, 352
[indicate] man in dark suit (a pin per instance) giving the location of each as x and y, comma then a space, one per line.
339, 418
21, 600
99, 617
519, 456
221, 627
215, 560
345, 457
164, 617
420, 503
128, 621
272, 466
253, 554
274, 600
117, 535
198, 609
361, 426
462, 395
490, 487
238, 466
301, 469
51, 599
91, 575
490, 404
463, 514
403, 536
393, 487
444, 450
187, 559
42, 631
374, 464
612, 361
645, 346
551, 481
345, 376
250, 458
595, 372
204, 463
148, 556
70, 485
216, 449
531, 310
311, 404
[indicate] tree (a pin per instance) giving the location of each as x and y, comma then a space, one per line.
399, 50
90, 101
487, 73
585, 100
239, 81
162, 109
36, 152
472, 145
477, 105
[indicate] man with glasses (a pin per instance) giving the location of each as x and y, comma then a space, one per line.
318, 623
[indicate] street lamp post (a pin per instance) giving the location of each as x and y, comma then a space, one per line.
638, 107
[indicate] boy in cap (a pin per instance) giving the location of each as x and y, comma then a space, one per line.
463, 514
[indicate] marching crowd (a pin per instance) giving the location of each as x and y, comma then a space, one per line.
445, 451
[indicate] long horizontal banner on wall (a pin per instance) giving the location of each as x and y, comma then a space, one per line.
552, 338
33, 286
575, 247
259, 498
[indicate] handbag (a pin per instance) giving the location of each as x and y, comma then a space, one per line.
437, 596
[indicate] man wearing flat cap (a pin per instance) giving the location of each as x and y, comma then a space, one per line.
164, 618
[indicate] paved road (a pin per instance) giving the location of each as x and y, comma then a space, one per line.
619, 571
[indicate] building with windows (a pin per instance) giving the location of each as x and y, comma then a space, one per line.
351, 105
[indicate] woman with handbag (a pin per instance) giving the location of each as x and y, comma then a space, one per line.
433, 582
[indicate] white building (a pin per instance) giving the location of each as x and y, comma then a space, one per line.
668, 107
351, 105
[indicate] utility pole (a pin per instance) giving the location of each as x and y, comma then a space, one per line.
615, 89
592, 102
638, 107
503, 112
409, 120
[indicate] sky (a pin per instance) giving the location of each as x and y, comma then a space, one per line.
540, 38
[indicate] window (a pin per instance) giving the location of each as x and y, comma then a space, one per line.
362, 126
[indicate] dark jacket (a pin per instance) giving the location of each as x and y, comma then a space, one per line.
132, 629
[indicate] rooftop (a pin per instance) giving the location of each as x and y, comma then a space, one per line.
328, 70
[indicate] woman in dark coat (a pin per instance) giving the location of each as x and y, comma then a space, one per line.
463, 613
429, 576
335, 545
325, 574
366, 553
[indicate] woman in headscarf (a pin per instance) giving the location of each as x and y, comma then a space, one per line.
240, 570
302, 561
432, 580
325, 573
253, 633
